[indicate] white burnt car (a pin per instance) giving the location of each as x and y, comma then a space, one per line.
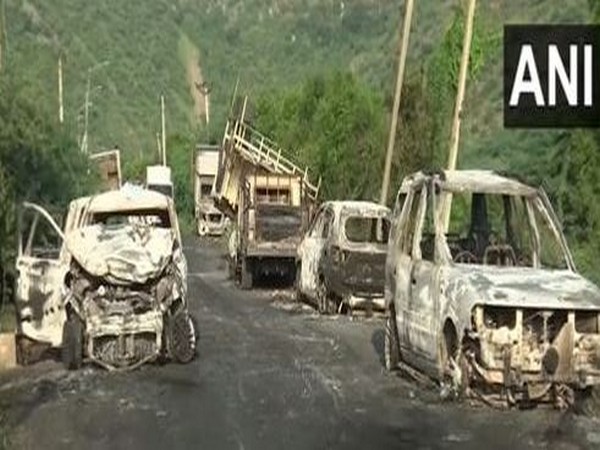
115, 291
341, 259
491, 304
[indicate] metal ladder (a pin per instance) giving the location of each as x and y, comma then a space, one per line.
258, 149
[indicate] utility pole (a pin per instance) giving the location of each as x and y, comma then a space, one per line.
399, 80
164, 137
460, 95
206, 93
60, 91
204, 89
87, 104
158, 146
84, 141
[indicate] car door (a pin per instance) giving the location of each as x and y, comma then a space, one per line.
421, 313
391, 261
401, 266
310, 252
41, 264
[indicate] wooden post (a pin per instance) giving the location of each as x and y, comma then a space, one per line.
60, 91
158, 148
394, 123
460, 94
164, 137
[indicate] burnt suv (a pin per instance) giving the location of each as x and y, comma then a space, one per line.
482, 293
341, 259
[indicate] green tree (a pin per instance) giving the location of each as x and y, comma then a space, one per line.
38, 162
335, 125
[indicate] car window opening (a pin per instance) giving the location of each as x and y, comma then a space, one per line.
154, 217
495, 229
367, 229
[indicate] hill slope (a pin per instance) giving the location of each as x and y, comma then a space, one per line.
154, 46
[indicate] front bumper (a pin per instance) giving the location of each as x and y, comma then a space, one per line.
120, 341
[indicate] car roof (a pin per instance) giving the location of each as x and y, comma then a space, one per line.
484, 181
362, 205
127, 198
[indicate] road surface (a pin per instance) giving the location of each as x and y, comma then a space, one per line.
267, 377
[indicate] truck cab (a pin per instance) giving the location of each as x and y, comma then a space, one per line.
158, 178
271, 219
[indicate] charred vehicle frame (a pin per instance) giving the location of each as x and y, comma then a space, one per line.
499, 312
118, 296
341, 259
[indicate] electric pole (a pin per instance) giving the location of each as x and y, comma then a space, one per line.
158, 146
164, 137
60, 91
394, 123
86, 106
460, 94
204, 89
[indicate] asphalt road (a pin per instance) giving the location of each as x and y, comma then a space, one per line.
270, 375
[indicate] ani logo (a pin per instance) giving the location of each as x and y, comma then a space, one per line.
551, 76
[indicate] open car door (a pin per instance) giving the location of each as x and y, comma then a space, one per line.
41, 264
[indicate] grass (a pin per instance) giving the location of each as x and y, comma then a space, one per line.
7, 318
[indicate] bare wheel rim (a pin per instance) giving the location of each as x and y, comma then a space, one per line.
183, 337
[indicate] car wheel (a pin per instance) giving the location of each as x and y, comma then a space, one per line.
247, 275
72, 343
182, 337
391, 347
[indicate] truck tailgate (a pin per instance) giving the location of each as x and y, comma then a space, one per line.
277, 222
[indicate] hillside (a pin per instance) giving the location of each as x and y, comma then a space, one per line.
150, 47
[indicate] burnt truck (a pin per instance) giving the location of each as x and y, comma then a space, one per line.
272, 215
269, 199
209, 220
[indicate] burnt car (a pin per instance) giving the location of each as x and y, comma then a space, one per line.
482, 293
341, 259
117, 291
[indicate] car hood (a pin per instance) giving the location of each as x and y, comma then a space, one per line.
524, 287
122, 254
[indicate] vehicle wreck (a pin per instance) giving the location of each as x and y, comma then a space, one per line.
341, 259
122, 283
490, 303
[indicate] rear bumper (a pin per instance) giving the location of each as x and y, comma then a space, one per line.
344, 285
211, 228
357, 302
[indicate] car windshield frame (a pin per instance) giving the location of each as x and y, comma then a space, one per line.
351, 215
537, 208
131, 216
